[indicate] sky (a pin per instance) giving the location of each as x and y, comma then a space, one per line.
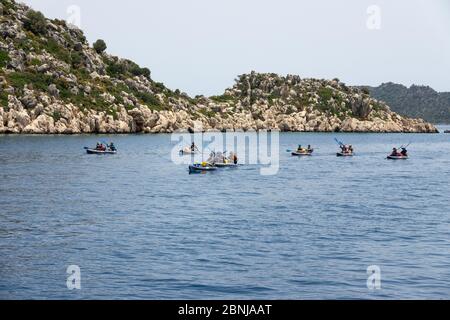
200, 46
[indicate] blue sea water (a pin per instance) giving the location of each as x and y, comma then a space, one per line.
141, 227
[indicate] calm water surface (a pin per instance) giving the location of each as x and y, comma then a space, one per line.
141, 227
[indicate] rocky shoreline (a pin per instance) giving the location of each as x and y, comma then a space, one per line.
52, 81
71, 120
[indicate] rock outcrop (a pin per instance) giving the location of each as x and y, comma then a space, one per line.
53, 82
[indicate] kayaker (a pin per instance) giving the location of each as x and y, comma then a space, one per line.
112, 147
193, 147
404, 152
350, 149
99, 146
300, 148
394, 152
309, 148
235, 159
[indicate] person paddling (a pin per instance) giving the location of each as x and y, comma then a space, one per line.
395, 152
404, 152
235, 159
112, 147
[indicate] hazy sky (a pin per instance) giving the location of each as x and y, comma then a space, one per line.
200, 46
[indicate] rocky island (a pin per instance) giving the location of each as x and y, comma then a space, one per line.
53, 82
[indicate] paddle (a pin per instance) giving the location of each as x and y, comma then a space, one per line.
405, 146
339, 142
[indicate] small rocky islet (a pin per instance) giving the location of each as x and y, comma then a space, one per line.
52, 81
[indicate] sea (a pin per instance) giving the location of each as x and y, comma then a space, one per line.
137, 225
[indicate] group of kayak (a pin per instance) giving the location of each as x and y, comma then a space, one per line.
348, 151
220, 160
216, 160
102, 148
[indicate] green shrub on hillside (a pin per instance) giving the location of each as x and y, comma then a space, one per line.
100, 46
222, 99
4, 58
116, 69
20, 79
56, 116
146, 73
123, 68
135, 70
207, 113
149, 99
365, 90
4, 100
57, 50
76, 59
35, 22
7, 6
325, 94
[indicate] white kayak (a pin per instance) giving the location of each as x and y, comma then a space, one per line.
95, 151
187, 151
344, 154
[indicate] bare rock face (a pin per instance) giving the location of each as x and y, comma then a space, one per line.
361, 106
53, 90
42, 124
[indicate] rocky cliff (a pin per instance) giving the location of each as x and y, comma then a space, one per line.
53, 81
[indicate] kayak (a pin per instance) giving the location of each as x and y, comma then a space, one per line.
95, 151
225, 165
197, 168
183, 152
187, 151
342, 154
397, 157
299, 154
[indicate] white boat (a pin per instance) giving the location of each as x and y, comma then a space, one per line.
95, 151
187, 151
221, 161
